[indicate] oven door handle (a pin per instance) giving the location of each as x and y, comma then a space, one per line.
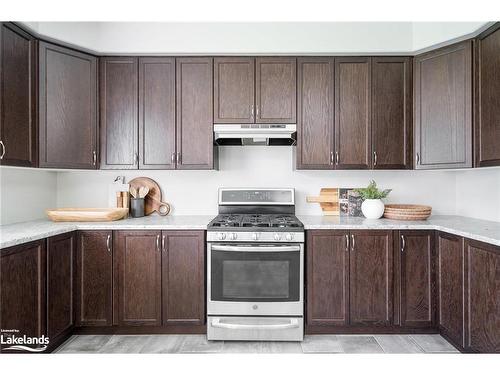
254, 248
294, 323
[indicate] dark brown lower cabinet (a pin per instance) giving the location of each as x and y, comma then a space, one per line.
450, 283
94, 279
415, 252
183, 277
60, 281
137, 278
22, 289
482, 297
371, 278
327, 278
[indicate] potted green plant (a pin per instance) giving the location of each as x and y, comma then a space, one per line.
372, 206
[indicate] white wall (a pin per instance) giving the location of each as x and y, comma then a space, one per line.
195, 192
253, 38
426, 34
478, 193
26, 193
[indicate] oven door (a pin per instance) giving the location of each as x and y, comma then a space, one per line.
255, 279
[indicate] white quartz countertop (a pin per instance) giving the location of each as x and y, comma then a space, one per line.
15, 234
481, 230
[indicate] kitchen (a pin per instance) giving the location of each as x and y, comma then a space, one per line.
170, 197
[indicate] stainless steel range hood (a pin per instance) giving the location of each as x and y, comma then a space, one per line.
255, 134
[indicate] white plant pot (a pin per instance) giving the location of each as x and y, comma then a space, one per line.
373, 208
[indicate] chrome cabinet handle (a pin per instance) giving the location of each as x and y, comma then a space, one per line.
374, 158
136, 158
94, 157
251, 110
108, 243
3, 150
353, 242
403, 243
158, 242
258, 110
418, 158
346, 242
163, 243
172, 158
331, 157
336, 158
178, 159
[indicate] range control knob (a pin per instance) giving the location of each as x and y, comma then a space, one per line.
233, 236
255, 236
289, 236
277, 237
222, 236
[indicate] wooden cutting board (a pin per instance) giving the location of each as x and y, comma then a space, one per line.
152, 201
87, 214
328, 200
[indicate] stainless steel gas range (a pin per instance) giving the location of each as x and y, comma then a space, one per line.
255, 256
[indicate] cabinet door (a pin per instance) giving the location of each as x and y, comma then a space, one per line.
234, 90
450, 276
391, 112
195, 139
156, 113
94, 279
22, 290
487, 125
371, 275
68, 108
443, 108
183, 270
137, 265
352, 112
60, 279
275, 90
119, 120
417, 282
482, 297
18, 98
327, 277
315, 113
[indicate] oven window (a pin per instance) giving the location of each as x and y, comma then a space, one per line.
255, 276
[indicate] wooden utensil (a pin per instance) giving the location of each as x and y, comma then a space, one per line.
133, 191
152, 201
143, 191
87, 214
328, 200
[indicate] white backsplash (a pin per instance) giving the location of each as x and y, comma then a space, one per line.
195, 192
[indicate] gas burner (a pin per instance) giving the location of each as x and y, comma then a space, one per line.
226, 221
285, 221
255, 221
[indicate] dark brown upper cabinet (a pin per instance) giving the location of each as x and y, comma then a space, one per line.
118, 85
137, 278
482, 297
94, 278
391, 113
443, 107
23, 286
183, 277
415, 258
275, 90
487, 112
450, 287
371, 278
68, 108
60, 281
327, 278
195, 139
156, 113
315, 113
234, 90
18, 97
353, 113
